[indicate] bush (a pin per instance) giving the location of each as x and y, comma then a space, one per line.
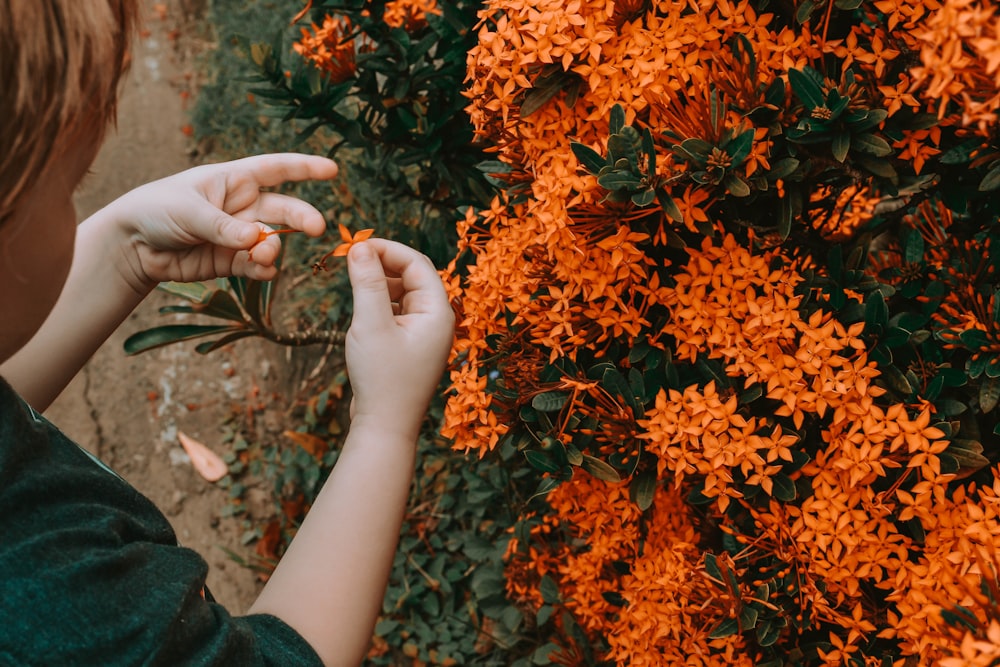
730, 347
738, 309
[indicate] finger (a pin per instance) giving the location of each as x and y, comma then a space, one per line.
423, 290
209, 224
265, 252
277, 168
372, 303
272, 208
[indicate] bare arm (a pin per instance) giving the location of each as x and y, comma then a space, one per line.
330, 583
193, 226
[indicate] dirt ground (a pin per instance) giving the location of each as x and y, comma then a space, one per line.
128, 410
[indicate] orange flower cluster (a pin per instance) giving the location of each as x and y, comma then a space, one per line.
654, 612
409, 14
677, 343
330, 47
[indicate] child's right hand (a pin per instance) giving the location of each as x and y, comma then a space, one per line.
399, 338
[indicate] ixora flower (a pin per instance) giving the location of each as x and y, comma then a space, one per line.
736, 307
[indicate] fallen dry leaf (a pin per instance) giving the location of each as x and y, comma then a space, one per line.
207, 463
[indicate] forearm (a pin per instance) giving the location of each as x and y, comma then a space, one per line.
330, 583
95, 300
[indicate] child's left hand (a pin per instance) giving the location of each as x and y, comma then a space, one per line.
201, 223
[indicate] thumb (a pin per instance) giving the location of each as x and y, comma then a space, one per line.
372, 305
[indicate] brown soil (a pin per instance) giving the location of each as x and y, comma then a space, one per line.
128, 410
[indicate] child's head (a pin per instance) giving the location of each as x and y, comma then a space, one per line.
60, 63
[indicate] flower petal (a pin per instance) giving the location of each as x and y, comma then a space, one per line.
207, 463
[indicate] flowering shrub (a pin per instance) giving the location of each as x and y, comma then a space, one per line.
730, 314
736, 305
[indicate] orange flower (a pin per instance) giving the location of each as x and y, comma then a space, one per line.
330, 47
347, 240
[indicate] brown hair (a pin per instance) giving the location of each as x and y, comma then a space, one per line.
60, 64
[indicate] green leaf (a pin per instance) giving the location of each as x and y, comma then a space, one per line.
969, 455
783, 168
549, 401
712, 566
748, 618
695, 150
768, 632
150, 339
643, 488
804, 11
841, 145
600, 469
591, 160
644, 198
618, 180
897, 380
876, 313
960, 154
784, 488
736, 185
549, 590
726, 628
211, 346
871, 144
669, 206
740, 147
989, 394
196, 292
991, 181
617, 121
546, 87
806, 84
541, 461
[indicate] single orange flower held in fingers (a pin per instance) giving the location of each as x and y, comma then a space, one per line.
264, 233
347, 240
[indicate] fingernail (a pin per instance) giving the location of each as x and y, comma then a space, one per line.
362, 252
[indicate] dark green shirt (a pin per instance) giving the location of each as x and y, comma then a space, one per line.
91, 574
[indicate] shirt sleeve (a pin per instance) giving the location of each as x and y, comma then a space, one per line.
90, 572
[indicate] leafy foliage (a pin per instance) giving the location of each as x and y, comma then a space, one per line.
730, 355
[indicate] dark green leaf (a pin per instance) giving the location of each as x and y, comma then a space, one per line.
643, 488
591, 160
991, 181
736, 185
783, 168
549, 590
804, 11
712, 566
211, 346
669, 206
617, 121
805, 84
841, 145
989, 394
150, 339
726, 628
600, 469
550, 401
541, 461
768, 632
748, 618
739, 148
196, 292
614, 598
618, 180
644, 197
871, 144
784, 488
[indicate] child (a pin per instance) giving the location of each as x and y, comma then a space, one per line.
90, 571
